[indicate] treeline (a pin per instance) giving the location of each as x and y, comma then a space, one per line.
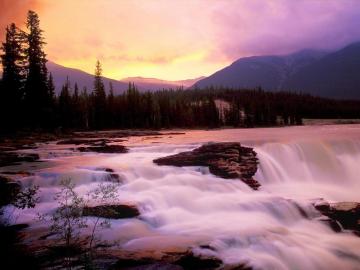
28, 99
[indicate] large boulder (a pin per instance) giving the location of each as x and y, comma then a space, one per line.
227, 160
111, 211
345, 213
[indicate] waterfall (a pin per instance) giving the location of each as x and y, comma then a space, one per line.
311, 169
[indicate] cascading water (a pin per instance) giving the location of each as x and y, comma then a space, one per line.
272, 228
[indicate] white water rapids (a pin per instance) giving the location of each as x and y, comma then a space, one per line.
272, 228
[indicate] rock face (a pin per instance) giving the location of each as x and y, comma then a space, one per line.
115, 211
104, 148
345, 213
227, 160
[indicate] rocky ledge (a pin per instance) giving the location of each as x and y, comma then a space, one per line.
228, 160
115, 211
347, 214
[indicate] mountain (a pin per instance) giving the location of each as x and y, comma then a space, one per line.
336, 75
156, 84
329, 74
85, 79
82, 78
269, 72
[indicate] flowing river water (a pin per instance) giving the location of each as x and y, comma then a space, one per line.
275, 227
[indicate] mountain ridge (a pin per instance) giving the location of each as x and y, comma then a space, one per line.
84, 79
331, 74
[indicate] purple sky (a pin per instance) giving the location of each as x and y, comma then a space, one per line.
180, 39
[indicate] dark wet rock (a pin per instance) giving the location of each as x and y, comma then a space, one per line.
18, 173
345, 213
333, 224
108, 149
78, 141
117, 134
113, 211
8, 190
143, 264
111, 175
242, 266
104, 169
185, 260
227, 160
191, 261
12, 158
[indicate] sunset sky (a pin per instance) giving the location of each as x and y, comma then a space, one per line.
181, 39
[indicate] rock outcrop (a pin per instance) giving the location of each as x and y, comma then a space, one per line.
228, 160
345, 213
112, 211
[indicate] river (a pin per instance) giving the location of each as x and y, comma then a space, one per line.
188, 206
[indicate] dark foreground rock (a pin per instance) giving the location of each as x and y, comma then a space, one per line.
345, 213
104, 148
171, 261
78, 141
227, 160
12, 158
8, 190
115, 211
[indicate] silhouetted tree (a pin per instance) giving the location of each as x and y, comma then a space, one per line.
65, 106
37, 100
13, 76
99, 98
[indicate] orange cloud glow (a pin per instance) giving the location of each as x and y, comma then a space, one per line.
181, 39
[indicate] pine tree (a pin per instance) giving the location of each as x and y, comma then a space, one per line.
65, 106
76, 94
51, 89
99, 97
84, 107
12, 61
37, 99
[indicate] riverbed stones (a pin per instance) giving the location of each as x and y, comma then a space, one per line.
228, 160
112, 211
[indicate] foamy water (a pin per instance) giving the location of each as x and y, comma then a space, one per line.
272, 228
